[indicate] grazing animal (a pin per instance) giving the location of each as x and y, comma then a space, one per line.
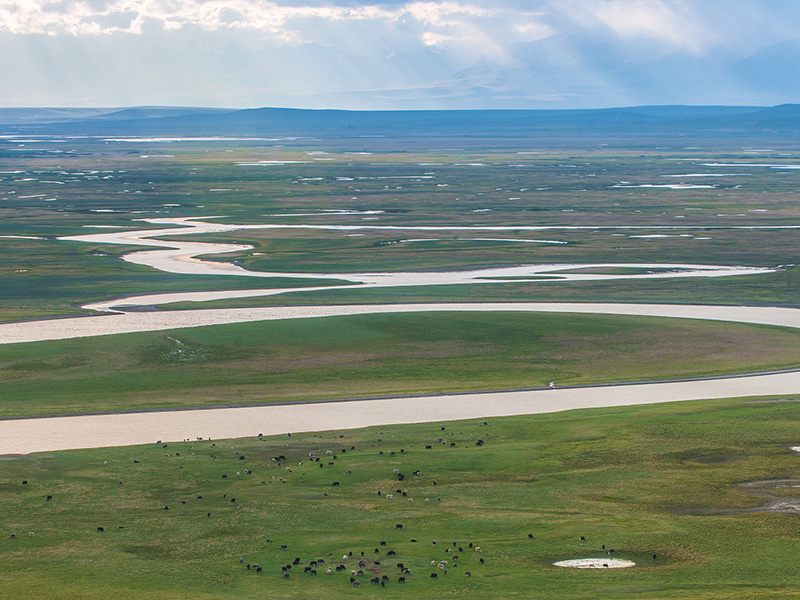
401, 580
100, 529
375, 580
356, 584
286, 574
284, 547
468, 573
335, 484
434, 575
391, 553
398, 526
482, 561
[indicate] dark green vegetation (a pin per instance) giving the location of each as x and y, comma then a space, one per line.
51, 189
663, 480
369, 355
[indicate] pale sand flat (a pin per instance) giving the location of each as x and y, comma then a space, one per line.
56, 329
36, 435
94, 431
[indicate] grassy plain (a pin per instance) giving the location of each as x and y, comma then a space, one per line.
56, 189
373, 355
184, 519
661, 480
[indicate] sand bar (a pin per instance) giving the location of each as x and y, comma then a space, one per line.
57, 329
93, 431
181, 257
96, 431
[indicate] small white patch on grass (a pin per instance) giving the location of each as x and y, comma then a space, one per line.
595, 563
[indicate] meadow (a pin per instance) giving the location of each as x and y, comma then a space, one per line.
669, 481
374, 355
700, 495
60, 189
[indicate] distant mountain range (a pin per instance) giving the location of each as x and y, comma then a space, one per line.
781, 120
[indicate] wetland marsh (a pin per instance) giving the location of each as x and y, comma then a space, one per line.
512, 221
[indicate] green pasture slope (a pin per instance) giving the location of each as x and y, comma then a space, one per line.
185, 519
374, 355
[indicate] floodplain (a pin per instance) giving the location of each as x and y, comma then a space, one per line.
684, 483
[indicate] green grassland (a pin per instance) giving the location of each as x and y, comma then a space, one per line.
374, 355
660, 480
59, 190
184, 519
774, 289
51, 278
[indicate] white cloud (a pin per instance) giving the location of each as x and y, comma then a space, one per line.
440, 14
675, 23
250, 52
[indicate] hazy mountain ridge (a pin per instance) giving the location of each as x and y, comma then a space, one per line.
661, 120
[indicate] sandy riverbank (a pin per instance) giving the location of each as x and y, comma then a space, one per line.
56, 329
97, 431
182, 257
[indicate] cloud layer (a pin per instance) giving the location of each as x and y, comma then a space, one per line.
399, 53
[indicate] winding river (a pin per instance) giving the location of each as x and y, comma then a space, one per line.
94, 431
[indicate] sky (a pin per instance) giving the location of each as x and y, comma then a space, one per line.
361, 54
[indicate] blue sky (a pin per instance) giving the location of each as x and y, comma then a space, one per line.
398, 54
